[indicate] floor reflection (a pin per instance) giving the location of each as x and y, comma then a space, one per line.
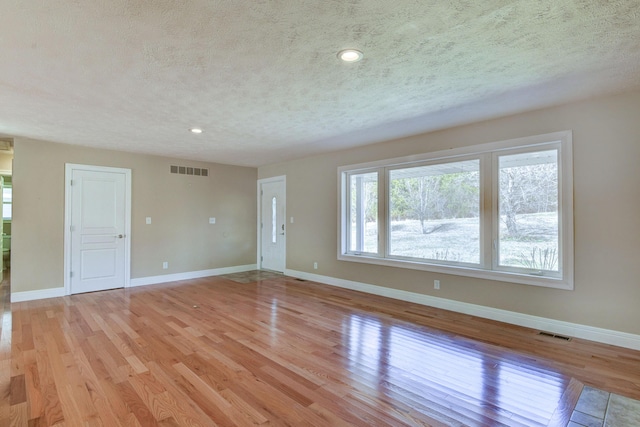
366, 355
428, 366
273, 322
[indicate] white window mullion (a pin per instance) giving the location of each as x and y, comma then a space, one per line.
383, 212
494, 243
565, 165
488, 208
359, 215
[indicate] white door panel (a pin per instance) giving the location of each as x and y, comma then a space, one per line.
272, 225
99, 264
99, 217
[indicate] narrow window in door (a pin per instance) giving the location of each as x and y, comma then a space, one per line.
274, 222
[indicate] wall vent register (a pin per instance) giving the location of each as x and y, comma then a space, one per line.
550, 335
185, 170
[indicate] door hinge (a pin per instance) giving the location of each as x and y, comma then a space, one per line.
261, 192
261, 258
71, 274
71, 183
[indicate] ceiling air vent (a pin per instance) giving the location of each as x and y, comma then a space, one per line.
187, 170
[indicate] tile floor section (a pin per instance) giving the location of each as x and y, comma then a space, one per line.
598, 408
595, 408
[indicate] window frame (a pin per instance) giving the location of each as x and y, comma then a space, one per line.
496, 208
347, 193
489, 220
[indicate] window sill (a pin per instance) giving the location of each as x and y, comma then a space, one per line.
502, 276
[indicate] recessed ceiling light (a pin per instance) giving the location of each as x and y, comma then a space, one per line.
195, 130
350, 55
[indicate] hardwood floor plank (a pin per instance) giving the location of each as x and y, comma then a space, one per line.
5, 391
195, 416
19, 415
86, 313
214, 398
133, 408
124, 325
309, 376
112, 360
282, 352
256, 417
17, 390
32, 384
99, 399
68, 402
156, 402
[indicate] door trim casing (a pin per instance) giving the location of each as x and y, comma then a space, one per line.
283, 179
68, 172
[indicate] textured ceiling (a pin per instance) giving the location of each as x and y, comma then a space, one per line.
262, 78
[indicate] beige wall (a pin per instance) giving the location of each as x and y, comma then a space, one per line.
179, 205
606, 145
6, 161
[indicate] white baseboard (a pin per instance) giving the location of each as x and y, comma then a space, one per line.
154, 280
35, 295
606, 336
142, 281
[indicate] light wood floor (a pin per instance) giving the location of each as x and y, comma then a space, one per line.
281, 352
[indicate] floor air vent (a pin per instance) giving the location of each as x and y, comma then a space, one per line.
549, 334
185, 170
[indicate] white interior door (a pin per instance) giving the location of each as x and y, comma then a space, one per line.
272, 225
99, 217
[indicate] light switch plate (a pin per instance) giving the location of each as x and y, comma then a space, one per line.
148, 220
212, 220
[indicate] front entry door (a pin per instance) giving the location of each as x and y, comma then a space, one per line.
272, 225
98, 229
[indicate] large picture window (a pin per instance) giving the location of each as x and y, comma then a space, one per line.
434, 212
500, 211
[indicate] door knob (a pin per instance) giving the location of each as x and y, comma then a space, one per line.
120, 236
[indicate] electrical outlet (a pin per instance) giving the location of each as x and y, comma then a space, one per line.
315, 265
212, 220
165, 265
436, 284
